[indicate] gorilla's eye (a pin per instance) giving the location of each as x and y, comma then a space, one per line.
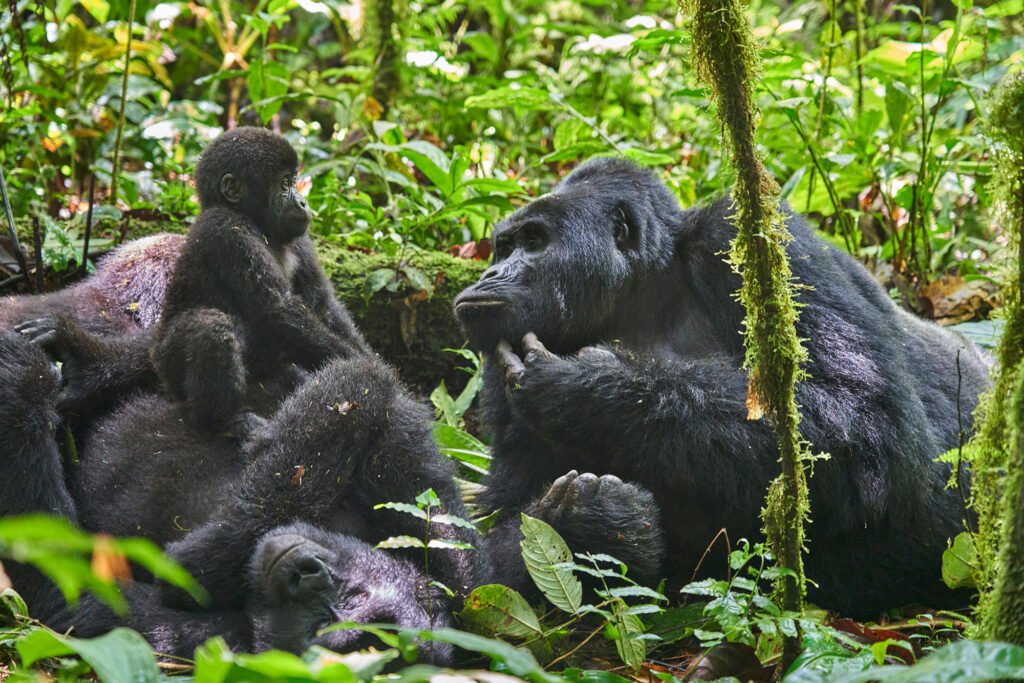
533, 238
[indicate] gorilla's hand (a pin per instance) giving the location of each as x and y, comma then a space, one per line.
79, 353
555, 393
606, 515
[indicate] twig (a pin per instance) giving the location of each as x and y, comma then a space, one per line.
707, 550
114, 172
18, 253
88, 224
577, 648
37, 242
962, 433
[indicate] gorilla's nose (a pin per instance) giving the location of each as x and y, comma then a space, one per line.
297, 568
307, 575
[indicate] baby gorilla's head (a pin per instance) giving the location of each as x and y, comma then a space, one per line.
303, 579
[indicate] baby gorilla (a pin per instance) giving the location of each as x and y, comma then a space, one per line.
300, 580
248, 296
303, 579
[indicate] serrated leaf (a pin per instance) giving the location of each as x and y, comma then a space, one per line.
448, 544
453, 520
636, 592
407, 508
498, 610
543, 548
401, 542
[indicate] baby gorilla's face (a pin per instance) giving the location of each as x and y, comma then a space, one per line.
303, 579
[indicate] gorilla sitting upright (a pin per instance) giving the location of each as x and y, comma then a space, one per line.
275, 531
613, 335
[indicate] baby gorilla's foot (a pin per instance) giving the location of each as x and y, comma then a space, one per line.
606, 515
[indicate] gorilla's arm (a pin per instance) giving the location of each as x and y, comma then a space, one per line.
311, 284
679, 422
349, 438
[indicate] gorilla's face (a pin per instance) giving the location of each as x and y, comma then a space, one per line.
558, 270
304, 579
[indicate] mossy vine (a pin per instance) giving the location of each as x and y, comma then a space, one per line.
998, 466
725, 58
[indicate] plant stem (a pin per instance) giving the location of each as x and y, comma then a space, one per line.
115, 171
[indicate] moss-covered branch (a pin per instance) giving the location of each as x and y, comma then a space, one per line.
726, 59
999, 460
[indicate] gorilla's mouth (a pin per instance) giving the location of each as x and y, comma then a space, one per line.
478, 303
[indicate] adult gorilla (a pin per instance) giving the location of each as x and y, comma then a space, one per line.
275, 531
625, 361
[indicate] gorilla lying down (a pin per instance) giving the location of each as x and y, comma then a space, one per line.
614, 347
276, 531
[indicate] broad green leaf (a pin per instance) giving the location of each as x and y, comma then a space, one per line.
959, 562
966, 661
462, 446
530, 99
499, 610
543, 548
119, 656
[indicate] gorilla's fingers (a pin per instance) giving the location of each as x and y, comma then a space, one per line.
533, 349
609, 481
34, 329
557, 490
510, 363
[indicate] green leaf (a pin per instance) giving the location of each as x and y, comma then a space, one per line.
499, 610
543, 548
646, 158
379, 279
453, 520
407, 508
121, 655
401, 542
631, 649
959, 562
99, 9
449, 544
462, 446
419, 280
530, 99
570, 132
965, 661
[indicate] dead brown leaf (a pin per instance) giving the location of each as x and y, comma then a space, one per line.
343, 408
951, 299
300, 472
107, 561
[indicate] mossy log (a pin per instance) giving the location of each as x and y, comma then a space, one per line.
407, 327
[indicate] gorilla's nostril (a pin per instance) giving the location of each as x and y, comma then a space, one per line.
308, 566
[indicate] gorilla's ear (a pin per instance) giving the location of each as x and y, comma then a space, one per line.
230, 188
627, 226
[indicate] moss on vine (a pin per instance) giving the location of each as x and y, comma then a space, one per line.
997, 466
726, 59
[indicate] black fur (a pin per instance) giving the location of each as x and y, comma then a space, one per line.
348, 438
247, 295
641, 378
